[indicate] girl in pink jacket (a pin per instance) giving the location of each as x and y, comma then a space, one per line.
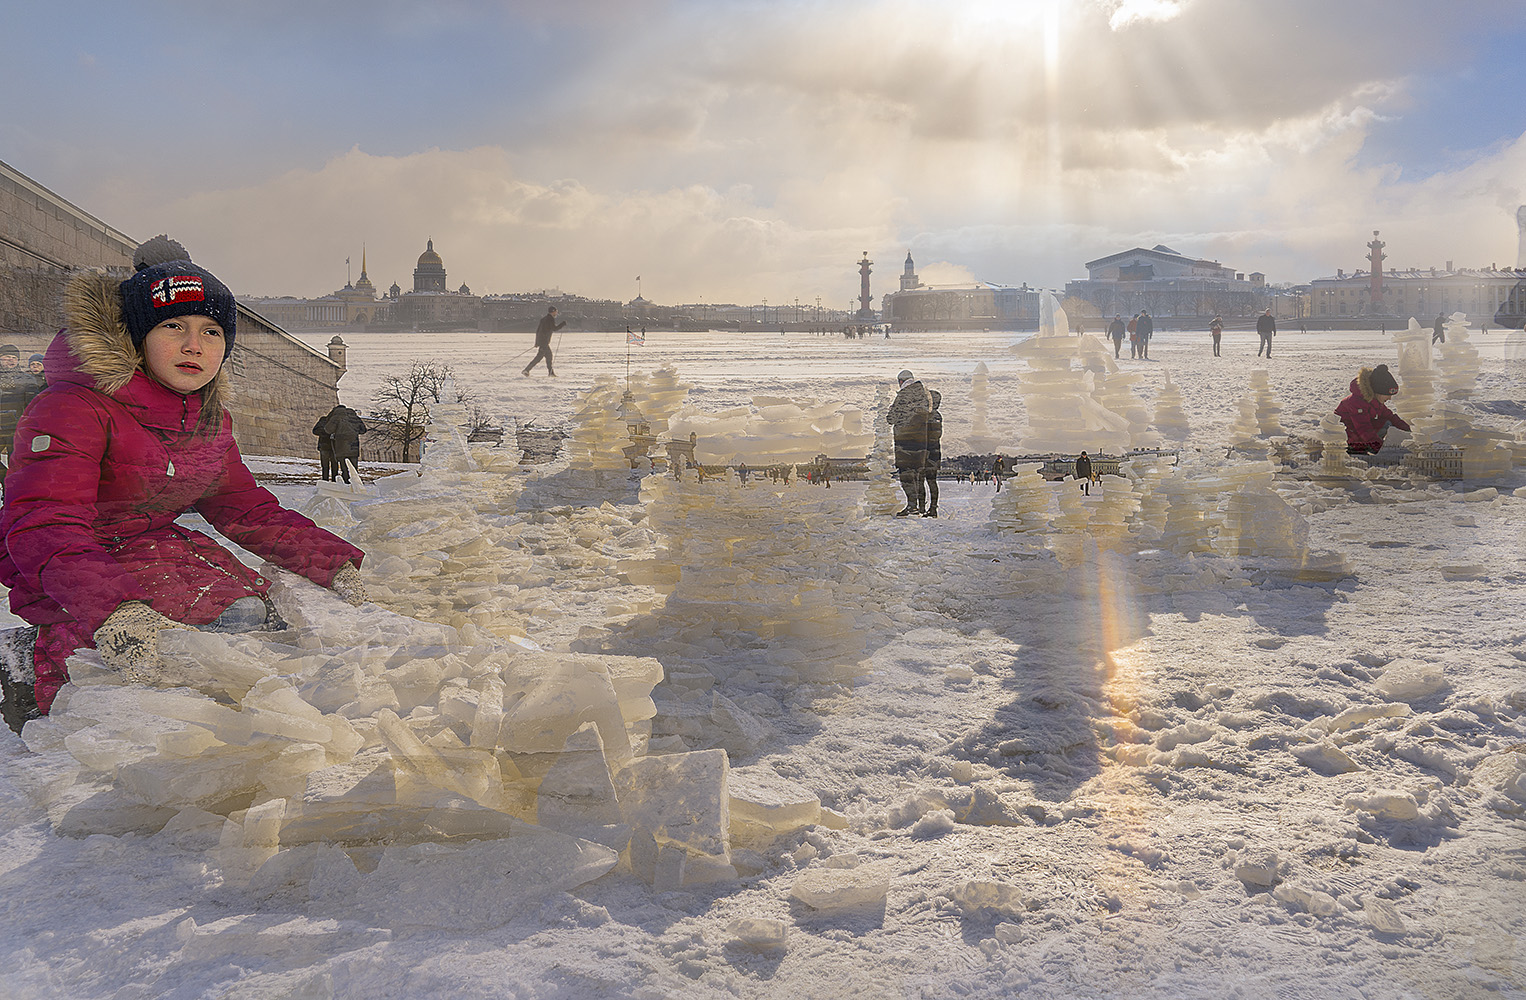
1365, 412
130, 434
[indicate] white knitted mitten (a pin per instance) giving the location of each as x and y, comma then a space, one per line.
129, 639
348, 586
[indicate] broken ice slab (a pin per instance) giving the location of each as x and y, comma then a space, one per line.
1411, 680
832, 889
577, 795
207, 661
1324, 757
557, 703
250, 838
669, 866
274, 698
215, 782
481, 885
765, 805
679, 798
758, 933
472, 773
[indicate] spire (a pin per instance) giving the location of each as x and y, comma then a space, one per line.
362, 260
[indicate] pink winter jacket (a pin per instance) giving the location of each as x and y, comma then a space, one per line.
1365, 416
105, 460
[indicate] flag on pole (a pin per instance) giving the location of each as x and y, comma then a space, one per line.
633, 337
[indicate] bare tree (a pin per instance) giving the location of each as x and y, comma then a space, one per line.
402, 404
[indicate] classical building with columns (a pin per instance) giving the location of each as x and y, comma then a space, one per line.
1170, 285
1494, 295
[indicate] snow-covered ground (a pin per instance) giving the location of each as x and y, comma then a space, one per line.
1124, 775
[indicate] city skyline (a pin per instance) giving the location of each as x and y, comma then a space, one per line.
740, 152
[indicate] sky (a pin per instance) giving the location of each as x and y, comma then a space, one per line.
731, 151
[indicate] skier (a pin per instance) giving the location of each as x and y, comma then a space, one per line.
934, 456
129, 435
908, 415
1365, 412
548, 325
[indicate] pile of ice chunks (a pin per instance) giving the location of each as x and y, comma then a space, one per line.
1057, 388
774, 430
1332, 434
599, 434
882, 496
1115, 392
980, 440
769, 561
401, 745
1024, 502
1170, 416
1428, 402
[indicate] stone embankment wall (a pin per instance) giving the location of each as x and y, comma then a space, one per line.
280, 385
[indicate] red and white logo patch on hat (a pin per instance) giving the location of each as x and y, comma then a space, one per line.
176, 289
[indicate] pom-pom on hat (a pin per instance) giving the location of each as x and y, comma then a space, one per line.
1382, 381
168, 285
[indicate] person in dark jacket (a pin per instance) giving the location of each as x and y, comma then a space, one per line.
548, 326
1365, 411
344, 428
1216, 328
1146, 329
1439, 331
1266, 327
1116, 330
326, 446
908, 415
934, 456
129, 435
14, 385
1084, 473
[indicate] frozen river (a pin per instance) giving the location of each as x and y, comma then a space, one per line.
1052, 770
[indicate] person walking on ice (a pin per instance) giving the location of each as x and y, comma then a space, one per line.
548, 326
1439, 331
1084, 473
129, 435
1216, 328
908, 415
1115, 331
1266, 328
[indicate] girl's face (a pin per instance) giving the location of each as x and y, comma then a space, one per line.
184, 353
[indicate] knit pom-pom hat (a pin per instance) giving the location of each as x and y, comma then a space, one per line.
168, 285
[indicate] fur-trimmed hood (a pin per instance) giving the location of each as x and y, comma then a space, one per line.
99, 346
1362, 384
